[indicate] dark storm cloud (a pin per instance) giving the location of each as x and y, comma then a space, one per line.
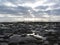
6, 10
40, 8
48, 12
53, 12
44, 9
14, 10
56, 5
19, 10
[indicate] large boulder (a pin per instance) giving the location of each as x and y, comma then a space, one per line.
21, 39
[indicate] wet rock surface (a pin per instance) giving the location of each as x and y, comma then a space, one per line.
29, 33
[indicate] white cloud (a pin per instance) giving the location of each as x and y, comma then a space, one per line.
8, 15
9, 4
27, 8
33, 5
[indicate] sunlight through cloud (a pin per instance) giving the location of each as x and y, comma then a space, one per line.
43, 9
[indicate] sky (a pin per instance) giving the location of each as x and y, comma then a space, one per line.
17, 9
